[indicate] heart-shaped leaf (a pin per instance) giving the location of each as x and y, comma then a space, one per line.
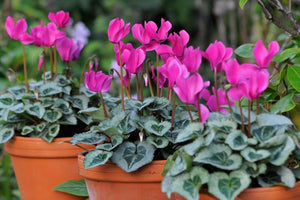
219, 155
47, 101
85, 118
54, 130
193, 147
79, 101
19, 108
26, 130
49, 88
90, 137
52, 115
6, 100
6, 134
18, 91
254, 169
227, 187
68, 120
77, 188
62, 106
115, 139
253, 155
192, 131
277, 176
40, 127
237, 140
158, 128
95, 158
186, 184
157, 104
61, 80
35, 109
281, 154
130, 156
158, 142
182, 162
223, 123
266, 119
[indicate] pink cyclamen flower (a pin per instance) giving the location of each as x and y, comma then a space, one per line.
46, 35
134, 59
18, 32
162, 33
188, 89
204, 112
217, 54
257, 84
163, 81
179, 42
61, 18
97, 82
212, 101
263, 56
69, 50
192, 59
123, 47
146, 35
172, 70
117, 30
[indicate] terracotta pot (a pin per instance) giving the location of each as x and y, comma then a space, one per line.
109, 182
263, 193
40, 166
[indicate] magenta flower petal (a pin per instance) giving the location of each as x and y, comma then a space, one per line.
61, 18
232, 71
162, 33
117, 30
192, 59
204, 113
263, 56
97, 82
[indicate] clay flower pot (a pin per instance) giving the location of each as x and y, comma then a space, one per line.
110, 182
40, 166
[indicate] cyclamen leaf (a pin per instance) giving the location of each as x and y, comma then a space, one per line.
227, 187
35, 109
130, 156
237, 140
158, 128
90, 137
6, 134
192, 131
52, 115
49, 88
158, 142
77, 188
6, 100
95, 158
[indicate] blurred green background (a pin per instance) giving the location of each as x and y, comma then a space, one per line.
205, 21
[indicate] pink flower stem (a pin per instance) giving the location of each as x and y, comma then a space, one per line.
257, 106
148, 77
118, 74
216, 89
157, 76
189, 111
169, 93
84, 67
249, 120
45, 66
122, 81
25, 69
14, 73
242, 117
142, 86
103, 105
199, 109
68, 69
55, 58
228, 101
51, 63
137, 86
173, 108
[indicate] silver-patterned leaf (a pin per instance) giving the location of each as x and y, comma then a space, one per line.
6, 134
26, 130
19, 108
6, 100
237, 140
158, 128
95, 158
48, 89
253, 155
35, 109
52, 115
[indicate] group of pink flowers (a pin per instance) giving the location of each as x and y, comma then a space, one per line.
48, 35
180, 64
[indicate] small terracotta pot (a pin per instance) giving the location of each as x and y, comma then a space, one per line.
262, 193
40, 166
110, 182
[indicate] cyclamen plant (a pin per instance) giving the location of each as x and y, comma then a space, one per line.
221, 144
45, 108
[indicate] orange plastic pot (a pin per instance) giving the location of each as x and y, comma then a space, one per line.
109, 182
262, 193
40, 166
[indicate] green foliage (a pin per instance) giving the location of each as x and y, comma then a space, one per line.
231, 160
73, 187
44, 110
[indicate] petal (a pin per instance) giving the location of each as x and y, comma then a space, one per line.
9, 25
20, 29
260, 52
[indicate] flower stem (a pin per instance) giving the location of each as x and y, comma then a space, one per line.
199, 109
257, 106
45, 67
249, 120
189, 111
137, 86
51, 63
149, 81
242, 117
142, 86
228, 101
216, 89
122, 81
84, 67
103, 105
25, 69
173, 108
157, 76
14, 73
55, 58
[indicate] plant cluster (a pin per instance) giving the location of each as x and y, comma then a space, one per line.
45, 108
226, 144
